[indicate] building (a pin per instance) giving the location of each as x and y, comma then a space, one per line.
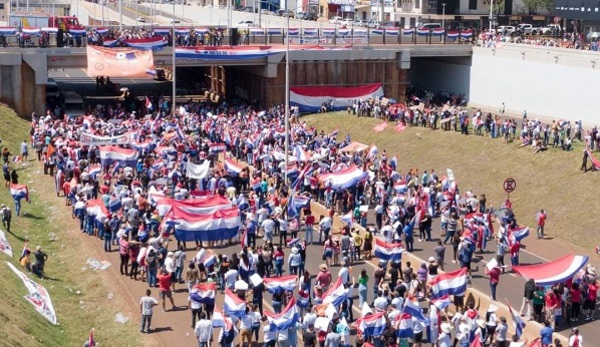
454, 13
51, 7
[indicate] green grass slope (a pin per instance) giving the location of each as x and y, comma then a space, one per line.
550, 180
79, 297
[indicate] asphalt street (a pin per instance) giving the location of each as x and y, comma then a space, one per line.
533, 251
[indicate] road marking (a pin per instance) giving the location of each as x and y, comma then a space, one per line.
67, 76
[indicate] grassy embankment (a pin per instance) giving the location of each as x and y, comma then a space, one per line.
550, 180
80, 297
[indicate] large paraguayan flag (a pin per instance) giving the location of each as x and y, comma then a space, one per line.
296, 204
280, 284
373, 325
449, 283
204, 293
520, 233
19, 191
233, 305
336, 294
345, 178
388, 251
415, 311
518, 322
405, 327
310, 99
284, 320
221, 225
111, 154
232, 167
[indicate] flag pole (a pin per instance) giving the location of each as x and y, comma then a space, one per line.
174, 91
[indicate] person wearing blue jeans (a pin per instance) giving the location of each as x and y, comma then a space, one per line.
147, 304
17, 206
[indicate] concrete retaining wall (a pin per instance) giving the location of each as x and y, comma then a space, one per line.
552, 82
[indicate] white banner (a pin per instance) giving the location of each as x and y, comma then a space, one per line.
38, 296
198, 171
4, 245
88, 139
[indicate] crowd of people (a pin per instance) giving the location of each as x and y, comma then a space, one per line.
116, 201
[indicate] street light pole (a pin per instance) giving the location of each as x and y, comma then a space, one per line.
120, 15
491, 13
287, 92
173, 100
444, 16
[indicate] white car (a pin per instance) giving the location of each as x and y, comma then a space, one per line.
336, 20
348, 22
373, 23
246, 24
361, 23
141, 19
506, 29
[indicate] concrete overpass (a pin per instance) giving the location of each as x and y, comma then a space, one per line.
24, 72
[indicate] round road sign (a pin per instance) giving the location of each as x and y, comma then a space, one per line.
509, 185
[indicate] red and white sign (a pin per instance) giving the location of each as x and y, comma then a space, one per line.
510, 185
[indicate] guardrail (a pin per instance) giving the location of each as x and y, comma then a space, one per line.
215, 36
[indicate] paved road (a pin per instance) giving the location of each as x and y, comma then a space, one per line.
175, 325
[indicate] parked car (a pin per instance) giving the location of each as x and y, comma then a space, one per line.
348, 22
246, 24
336, 20
307, 16
528, 29
551, 29
373, 23
361, 23
431, 26
506, 29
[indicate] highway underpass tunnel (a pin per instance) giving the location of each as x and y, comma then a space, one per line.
236, 84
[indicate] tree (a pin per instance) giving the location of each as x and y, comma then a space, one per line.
535, 5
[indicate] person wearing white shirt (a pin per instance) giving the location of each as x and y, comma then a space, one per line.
309, 318
344, 274
398, 302
270, 337
325, 227
196, 309
246, 327
380, 302
575, 340
230, 278
282, 338
418, 328
268, 226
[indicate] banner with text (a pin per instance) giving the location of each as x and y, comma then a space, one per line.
88, 139
119, 62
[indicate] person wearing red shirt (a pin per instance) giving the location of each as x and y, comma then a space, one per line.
541, 222
309, 222
514, 253
550, 304
164, 286
575, 301
494, 274
590, 301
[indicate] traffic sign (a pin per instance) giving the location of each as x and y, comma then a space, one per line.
509, 185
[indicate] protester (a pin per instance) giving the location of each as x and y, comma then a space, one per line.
146, 309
